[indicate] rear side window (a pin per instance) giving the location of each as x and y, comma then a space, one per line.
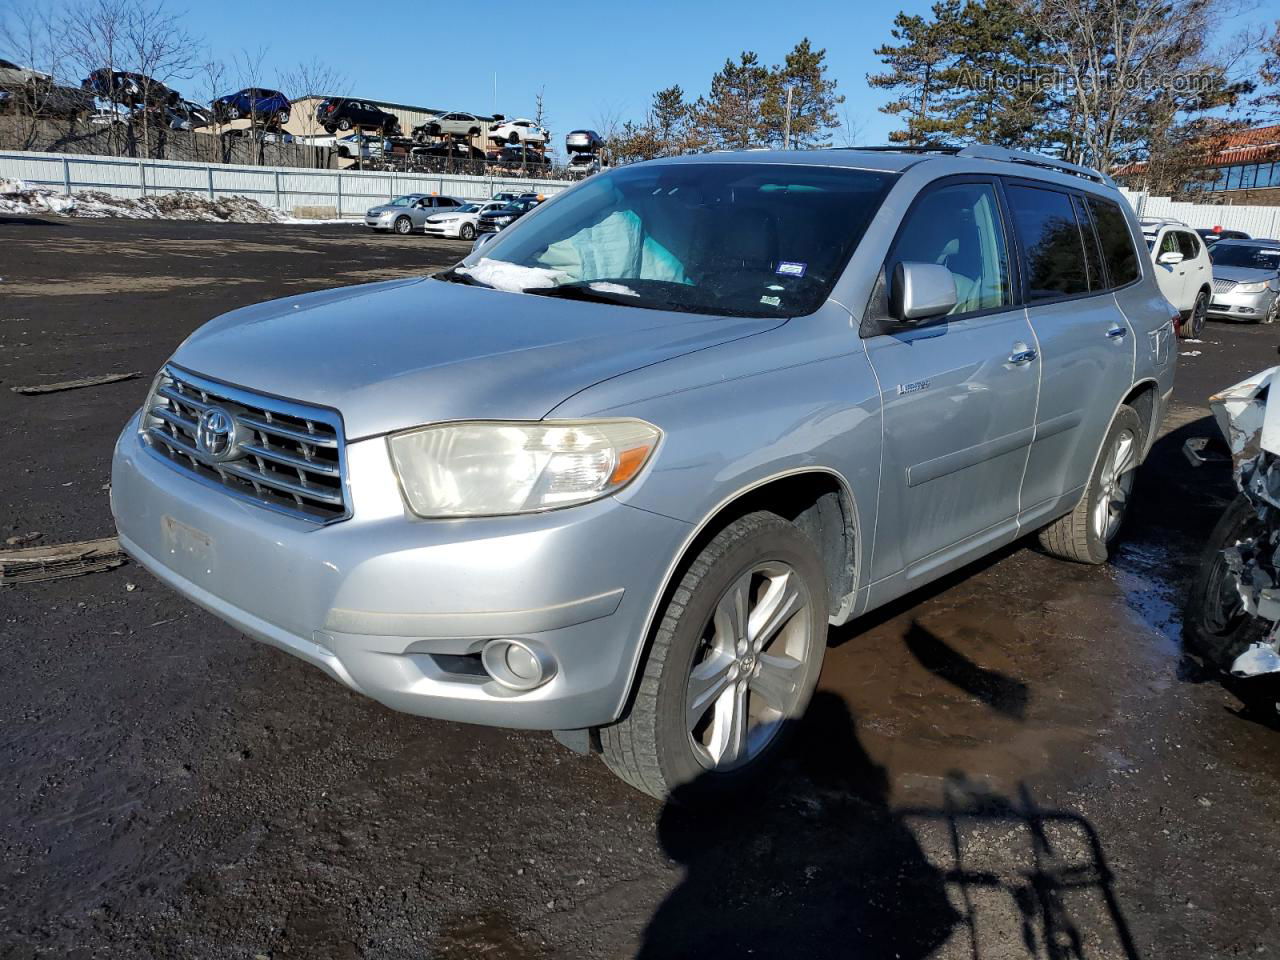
958, 226
1117, 242
1052, 250
1188, 245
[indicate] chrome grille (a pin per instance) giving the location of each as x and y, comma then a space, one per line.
1223, 286
289, 456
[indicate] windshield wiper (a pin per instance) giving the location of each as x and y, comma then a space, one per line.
453, 276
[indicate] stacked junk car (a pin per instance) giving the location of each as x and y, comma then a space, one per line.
1233, 619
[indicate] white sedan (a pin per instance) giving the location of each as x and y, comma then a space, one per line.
518, 131
460, 222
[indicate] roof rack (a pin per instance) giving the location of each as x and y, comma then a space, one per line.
980, 151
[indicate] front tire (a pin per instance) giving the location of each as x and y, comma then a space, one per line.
1086, 533
732, 666
467, 232
403, 226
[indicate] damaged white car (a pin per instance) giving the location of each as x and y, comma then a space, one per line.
1233, 617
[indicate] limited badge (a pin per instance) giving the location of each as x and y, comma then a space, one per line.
771, 301
789, 268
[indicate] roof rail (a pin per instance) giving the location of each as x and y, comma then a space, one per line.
904, 148
982, 152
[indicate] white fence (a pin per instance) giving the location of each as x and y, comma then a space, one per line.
1262, 222
348, 192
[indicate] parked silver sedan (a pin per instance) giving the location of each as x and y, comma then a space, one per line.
1246, 280
409, 213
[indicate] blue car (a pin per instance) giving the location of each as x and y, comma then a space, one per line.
256, 103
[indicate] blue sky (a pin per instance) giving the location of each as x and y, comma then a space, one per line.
592, 58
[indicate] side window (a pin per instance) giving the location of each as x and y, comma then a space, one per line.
958, 226
1117, 242
1188, 244
1092, 255
1169, 243
1052, 249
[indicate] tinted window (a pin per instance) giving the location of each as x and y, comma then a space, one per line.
1188, 244
958, 226
1117, 242
1052, 250
1257, 257
1169, 243
1092, 255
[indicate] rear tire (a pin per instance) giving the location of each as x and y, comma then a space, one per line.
732, 665
1215, 623
1085, 534
344, 124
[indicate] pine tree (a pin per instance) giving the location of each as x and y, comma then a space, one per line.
731, 116
914, 64
813, 103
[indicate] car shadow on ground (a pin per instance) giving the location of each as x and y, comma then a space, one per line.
820, 865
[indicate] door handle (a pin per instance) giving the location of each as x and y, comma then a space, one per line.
1022, 354
1118, 333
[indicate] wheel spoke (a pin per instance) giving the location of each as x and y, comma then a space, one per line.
707, 683
1124, 456
777, 679
729, 728
778, 605
731, 615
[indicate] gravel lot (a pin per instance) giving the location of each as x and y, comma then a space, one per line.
1017, 762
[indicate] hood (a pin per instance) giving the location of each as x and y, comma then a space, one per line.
402, 353
1243, 274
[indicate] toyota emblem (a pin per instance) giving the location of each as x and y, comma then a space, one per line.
216, 435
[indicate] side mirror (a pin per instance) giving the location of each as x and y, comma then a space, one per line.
1169, 258
921, 291
481, 240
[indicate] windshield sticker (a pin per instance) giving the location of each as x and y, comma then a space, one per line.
771, 301
788, 268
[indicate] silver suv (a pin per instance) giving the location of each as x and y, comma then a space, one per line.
616, 473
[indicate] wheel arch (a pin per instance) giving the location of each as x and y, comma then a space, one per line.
818, 500
1143, 398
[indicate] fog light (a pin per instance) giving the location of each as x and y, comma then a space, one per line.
517, 665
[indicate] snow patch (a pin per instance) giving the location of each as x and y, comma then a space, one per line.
17, 197
512, 277
602, 286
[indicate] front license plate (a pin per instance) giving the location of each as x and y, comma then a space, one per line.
189, 550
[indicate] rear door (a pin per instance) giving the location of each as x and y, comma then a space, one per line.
958, 394
1086, 345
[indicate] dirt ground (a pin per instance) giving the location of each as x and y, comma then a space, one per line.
1018, 762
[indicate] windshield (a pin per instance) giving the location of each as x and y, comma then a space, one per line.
1246, 255
469, 208
402, 202
737, 239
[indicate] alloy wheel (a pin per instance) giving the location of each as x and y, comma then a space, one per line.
1198, 314
747, 672
1115, 484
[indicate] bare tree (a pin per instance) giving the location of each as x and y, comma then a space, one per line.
212, 74
160, 51
609, 125
94, 40
249, 71
30, 35
1115, 56
851, 129
313, 78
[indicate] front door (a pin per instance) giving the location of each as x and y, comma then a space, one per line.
1171, 277
958, 394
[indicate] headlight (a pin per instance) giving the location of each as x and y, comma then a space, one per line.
493, 468
1251, 287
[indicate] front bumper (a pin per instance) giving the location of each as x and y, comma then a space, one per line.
397, 607
442, 229
1242, 306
